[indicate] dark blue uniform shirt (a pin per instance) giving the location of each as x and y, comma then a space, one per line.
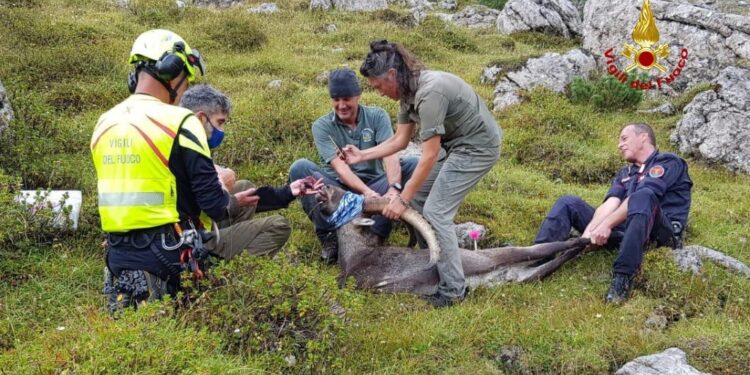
666, 175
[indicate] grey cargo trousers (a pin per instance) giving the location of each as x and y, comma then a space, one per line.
451, 179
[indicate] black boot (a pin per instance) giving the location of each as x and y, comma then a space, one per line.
438, 300
330, 252
619, 290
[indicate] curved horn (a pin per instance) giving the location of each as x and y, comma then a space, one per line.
412, 217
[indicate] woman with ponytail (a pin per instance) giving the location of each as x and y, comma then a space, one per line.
451, 116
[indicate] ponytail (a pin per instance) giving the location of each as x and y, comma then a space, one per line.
383, 56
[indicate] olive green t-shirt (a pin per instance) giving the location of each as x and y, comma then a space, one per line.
445, 105
373, 128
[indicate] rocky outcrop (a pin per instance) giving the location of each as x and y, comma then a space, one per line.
215, 3
476, 16
6, 111
716, 124
559, 17
690, 259
320, 4
449, 4
419, 13
713, 40
490, 74
666, 109
671, 361
265, 8
181, 4
552, 71
349, 5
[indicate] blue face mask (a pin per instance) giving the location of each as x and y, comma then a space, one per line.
217, 135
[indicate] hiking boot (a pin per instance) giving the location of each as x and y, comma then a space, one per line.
330, 252
619, 290
438, 300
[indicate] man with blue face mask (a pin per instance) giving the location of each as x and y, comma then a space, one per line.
239, 231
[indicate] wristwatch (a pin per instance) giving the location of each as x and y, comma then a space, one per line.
397, 186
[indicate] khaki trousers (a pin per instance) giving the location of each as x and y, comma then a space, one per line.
239, 232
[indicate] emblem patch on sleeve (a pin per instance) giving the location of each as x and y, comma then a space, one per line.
656, 171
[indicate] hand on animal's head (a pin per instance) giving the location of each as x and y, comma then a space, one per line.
328, 198
306, 186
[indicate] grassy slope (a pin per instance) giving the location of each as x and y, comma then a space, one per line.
64, 65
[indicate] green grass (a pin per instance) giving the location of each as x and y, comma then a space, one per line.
64, 65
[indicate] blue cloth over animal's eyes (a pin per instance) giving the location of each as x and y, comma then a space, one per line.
349, 208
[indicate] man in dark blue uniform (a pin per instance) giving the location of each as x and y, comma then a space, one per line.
648, 200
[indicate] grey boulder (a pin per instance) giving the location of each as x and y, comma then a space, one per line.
715, 126
713, 40
476, 16
672, 361
552, 71
265, 8
558, 17
349, 5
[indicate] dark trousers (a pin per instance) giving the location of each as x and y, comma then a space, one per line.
645, 221
303, 168
143, 251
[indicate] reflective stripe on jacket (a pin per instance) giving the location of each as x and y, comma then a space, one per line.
130, 147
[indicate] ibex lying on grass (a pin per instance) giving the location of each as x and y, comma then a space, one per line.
402, 269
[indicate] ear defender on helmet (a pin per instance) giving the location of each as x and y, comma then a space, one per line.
170, 65
163, 55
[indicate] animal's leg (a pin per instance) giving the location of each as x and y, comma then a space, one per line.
544, 270
510, 255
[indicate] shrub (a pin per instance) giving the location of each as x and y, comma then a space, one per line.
49, 50
450, 36
34, 223
683, 100
9, 187
552, 135
404, 20
606, 93
511, 64
235, 31
143, 341
20, 3
545, 41
40, 147
271, 309
155, 12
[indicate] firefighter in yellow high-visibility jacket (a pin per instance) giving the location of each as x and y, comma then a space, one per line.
154, 167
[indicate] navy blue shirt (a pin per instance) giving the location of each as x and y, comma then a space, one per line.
666, 175
198, 186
